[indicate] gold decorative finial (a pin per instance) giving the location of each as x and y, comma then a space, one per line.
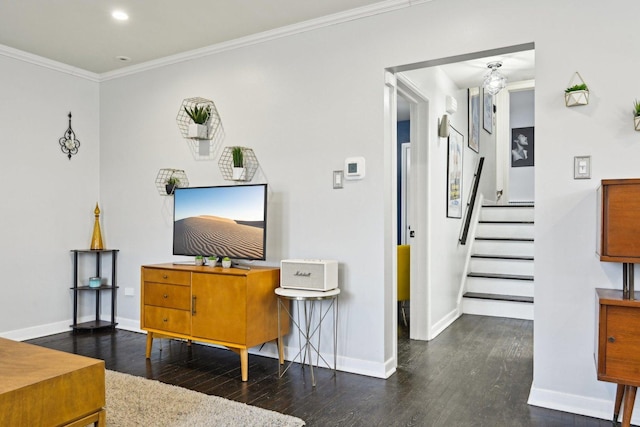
96, 238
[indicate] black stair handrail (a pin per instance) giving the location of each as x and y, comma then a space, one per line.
471, 203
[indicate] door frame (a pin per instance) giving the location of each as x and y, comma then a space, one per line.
419, 326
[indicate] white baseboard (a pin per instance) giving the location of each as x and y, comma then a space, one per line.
444, 323
38, 331
575, 404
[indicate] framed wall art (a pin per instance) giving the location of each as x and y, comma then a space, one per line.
487, 119
474, 119
454, 174
522, 147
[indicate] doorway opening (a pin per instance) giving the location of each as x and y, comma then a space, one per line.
436, 256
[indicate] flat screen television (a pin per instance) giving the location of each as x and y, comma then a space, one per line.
221, 220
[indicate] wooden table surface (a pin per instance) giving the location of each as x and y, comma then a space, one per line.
40, 386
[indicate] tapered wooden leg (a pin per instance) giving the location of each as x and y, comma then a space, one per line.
281, 350
244, 363
618, 403
149, 343
629, 400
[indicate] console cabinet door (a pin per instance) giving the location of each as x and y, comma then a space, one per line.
622, 354
219, 309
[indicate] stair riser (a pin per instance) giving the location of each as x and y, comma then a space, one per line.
505, 230
523, 288
506, 214
490, 247
501, 266
514, 310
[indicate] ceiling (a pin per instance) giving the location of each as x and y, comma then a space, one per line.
83, 34
516, 67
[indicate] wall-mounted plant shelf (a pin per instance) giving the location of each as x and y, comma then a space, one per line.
226, 164
163, 177
202, 146
577, 93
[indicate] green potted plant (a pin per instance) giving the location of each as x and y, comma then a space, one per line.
199, 260
171, 183
212, 260
200, 115
238, 163
226, 262
636, 115
577, 94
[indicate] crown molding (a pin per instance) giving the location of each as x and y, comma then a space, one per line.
337, 18
47, 63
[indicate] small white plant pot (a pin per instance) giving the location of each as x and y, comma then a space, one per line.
199, 261
212, 262
226, 264
575, 98
238, 174
636, 123
197, 131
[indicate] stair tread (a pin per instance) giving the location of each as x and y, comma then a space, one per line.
504, 222
501, 276
498, 297
516, 257
506, 239
524, 205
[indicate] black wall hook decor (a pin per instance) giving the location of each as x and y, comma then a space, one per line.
69, 144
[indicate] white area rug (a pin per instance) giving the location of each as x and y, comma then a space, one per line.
135, 401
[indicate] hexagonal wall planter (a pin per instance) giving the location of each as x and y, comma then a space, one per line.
203, 139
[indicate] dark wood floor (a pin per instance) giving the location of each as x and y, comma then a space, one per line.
476, 373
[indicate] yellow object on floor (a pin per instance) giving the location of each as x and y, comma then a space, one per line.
404, 277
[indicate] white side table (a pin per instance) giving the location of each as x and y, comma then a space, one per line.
308, 302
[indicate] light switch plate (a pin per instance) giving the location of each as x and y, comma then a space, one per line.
582, 167
338, 179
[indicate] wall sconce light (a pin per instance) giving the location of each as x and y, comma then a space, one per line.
494, 82
69, 144
443, 126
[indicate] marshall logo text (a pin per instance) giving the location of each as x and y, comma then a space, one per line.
303, 273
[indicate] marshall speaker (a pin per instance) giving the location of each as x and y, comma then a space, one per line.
311, 274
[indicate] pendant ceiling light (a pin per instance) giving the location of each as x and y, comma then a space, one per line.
494, 82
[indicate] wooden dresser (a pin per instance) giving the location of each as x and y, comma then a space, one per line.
618, 347
231, 307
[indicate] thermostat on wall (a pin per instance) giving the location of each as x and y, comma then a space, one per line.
354, 168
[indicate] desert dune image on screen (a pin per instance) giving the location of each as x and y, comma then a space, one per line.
223, 221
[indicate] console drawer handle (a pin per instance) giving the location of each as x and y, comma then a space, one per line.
164, 276
612, 339
165, 296
165, 320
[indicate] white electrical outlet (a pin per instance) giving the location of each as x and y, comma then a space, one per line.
129, 292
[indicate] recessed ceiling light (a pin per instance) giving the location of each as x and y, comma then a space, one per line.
120, 15
123, 58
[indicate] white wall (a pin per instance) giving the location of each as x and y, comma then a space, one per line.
47, 199
316, 98
522, 115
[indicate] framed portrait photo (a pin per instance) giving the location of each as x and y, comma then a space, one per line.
522, 147
474, 119
487, 117
454, 174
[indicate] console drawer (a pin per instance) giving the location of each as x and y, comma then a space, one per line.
167, 276
171, 296
167, 319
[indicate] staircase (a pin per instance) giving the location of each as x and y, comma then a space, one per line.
499, 280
